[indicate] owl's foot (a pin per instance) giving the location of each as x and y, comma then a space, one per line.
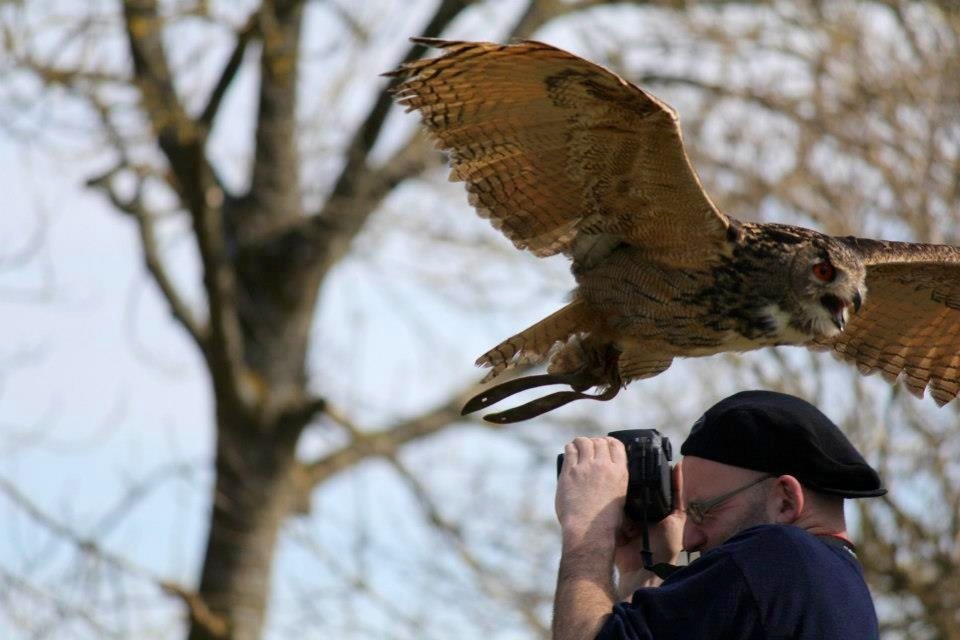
578, 381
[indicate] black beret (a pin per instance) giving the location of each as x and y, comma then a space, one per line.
782, 435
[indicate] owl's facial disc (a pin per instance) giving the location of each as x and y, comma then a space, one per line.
830, 285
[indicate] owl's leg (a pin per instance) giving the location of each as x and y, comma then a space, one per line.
635, 364
534, 343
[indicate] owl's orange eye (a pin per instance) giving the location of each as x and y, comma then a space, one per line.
824, 271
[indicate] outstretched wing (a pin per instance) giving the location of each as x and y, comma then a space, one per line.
553, 147
909, 325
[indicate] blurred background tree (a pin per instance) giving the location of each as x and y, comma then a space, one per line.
301, 234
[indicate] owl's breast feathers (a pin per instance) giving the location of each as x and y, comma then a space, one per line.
736, 300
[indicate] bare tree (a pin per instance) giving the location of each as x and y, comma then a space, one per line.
838, 115
264, 254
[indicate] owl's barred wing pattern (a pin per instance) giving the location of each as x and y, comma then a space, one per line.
552, 147
910, 324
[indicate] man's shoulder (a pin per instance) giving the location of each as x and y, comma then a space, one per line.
771, 535
784, 545
757, 549
799, 580
798, 555
793, 584
777, 554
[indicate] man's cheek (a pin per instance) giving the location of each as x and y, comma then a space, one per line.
693, 536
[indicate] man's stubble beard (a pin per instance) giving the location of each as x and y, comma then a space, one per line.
754, 516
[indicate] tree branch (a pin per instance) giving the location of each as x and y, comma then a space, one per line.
136, 209
229, 72
274, 199
178, 136
487, 579
380, 443
12, 583
359, 189
195, 604
214, 625
365, 137
183, 143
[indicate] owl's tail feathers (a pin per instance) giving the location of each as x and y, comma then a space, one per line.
533, 344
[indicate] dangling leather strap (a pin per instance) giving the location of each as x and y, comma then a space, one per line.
540, 405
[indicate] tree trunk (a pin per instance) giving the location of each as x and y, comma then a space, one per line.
251, 498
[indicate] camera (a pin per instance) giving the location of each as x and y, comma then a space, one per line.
650, 483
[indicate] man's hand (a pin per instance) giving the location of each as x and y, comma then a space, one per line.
591, 491
590, 494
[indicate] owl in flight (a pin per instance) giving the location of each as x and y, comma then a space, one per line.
563, 156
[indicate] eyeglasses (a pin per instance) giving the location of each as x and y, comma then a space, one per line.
697, 511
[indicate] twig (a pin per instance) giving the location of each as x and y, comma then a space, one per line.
199, 612
151, 252
244, 35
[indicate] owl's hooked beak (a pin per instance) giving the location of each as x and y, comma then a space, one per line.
857, 301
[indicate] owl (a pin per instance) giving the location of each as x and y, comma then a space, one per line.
563, 156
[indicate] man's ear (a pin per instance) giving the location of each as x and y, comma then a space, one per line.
787, 500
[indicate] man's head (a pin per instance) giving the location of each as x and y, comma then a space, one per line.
761, 457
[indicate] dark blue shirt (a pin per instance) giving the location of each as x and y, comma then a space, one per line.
771, 582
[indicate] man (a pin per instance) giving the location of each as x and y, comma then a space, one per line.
761, 488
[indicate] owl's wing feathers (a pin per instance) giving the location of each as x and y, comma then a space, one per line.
552, 147
910, 323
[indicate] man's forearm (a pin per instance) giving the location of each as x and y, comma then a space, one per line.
585, 593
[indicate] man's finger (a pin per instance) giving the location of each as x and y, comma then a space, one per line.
679, 501
601, 451
618, 453
584, 448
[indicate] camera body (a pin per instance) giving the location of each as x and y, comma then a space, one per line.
650, 483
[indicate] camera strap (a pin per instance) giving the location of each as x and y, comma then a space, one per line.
662, 570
